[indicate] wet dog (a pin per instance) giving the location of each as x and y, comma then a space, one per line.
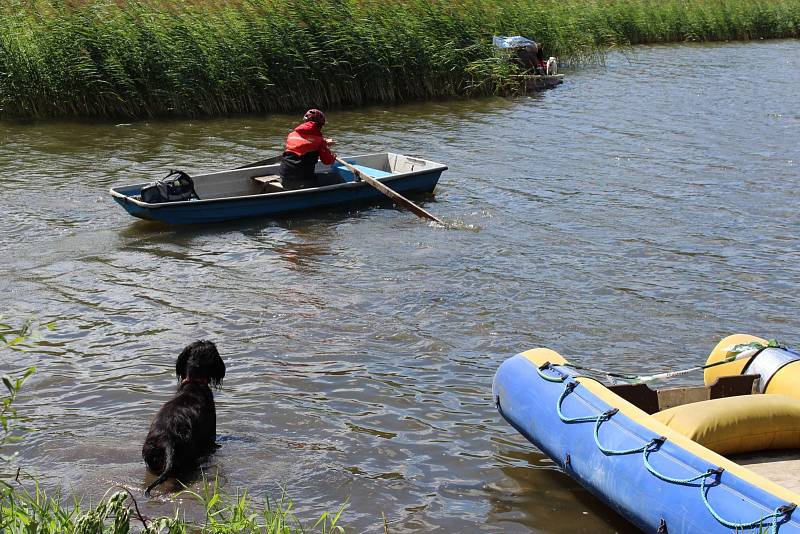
182, 433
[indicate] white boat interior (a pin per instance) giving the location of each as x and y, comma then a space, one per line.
264, 180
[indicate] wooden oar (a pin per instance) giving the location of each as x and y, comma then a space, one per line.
391, 193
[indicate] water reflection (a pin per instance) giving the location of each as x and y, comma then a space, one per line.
535, 492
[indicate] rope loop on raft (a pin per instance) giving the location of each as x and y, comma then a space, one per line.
550, 367
779, 515
783, 511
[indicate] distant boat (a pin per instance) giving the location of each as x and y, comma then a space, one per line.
539, 74
257, 192
720, 457
540, 82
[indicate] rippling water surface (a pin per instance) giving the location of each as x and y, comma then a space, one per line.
628, 219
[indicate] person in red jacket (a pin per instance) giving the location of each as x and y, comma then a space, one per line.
531, 58
305, 145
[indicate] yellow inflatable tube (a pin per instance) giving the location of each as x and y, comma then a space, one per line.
780, 376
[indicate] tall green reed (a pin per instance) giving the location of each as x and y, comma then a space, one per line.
127, 58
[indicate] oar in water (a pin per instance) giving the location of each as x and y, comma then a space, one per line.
391, 193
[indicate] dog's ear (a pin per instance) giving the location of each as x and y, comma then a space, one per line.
218, 372
180, 363
217, 368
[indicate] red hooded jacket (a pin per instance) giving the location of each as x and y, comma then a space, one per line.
304, 147
307, 138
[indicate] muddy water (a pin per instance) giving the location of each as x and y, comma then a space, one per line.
628, 219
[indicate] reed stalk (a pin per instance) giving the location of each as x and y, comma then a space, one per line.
128, 58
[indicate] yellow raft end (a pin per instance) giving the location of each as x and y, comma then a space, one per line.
781, 383
720, 352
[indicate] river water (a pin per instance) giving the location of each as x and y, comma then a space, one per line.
628, 219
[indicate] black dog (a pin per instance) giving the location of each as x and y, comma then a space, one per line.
183, 431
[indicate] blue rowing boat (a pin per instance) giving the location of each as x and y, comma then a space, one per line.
256, 191
721, 457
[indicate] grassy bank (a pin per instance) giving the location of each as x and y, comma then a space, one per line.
25, 510
125, 58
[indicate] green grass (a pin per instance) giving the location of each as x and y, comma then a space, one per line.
126, 58
29, 511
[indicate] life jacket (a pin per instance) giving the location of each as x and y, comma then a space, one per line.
304, 147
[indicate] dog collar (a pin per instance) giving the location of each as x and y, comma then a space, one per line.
203, 381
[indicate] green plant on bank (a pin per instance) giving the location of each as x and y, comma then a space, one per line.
9, 418
238, 513
13, 338
133, 58
17, 338
25, 510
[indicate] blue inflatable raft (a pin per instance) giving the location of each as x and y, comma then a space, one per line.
720, 457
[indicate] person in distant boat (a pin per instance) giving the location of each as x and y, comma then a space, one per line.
531, 58
305, 145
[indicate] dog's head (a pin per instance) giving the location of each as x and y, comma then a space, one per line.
200, 360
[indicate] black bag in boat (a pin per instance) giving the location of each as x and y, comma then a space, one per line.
174, 187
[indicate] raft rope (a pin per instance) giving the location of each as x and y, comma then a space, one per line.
735, 352
700, 480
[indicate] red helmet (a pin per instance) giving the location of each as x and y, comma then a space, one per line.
315, 115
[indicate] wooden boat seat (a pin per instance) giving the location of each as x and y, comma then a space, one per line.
268, 184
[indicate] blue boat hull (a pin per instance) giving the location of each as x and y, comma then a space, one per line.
529, 402
250, 191
303, 200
